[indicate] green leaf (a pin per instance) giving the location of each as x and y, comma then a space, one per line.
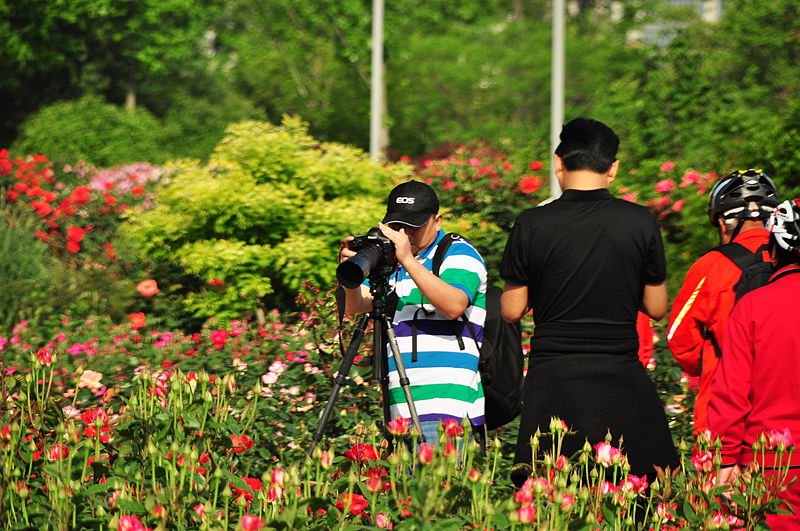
130, 506
94, 489
689, 512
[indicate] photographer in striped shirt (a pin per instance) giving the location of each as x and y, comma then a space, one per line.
438, 350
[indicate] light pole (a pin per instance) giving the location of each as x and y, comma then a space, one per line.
556, 89
376, 85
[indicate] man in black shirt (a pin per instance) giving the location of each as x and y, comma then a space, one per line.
584, 264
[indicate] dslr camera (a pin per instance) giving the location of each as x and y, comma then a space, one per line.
375, 259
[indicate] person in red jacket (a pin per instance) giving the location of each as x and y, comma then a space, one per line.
739, 204
757, 387
645, 331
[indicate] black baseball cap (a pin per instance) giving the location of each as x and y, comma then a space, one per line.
411, 203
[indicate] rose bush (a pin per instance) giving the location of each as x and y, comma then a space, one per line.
115, 425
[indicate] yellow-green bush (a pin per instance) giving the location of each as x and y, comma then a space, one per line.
263, 216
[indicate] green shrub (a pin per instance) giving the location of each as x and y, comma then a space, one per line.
90, 129
263, 217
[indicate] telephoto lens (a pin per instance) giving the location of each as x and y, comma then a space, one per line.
352, 272
374, 256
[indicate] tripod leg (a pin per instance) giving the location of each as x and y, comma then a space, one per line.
338, 382
401, 371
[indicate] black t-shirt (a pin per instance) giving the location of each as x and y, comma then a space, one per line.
585, 258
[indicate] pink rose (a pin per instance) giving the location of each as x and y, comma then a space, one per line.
399, 426
148, 287
425, 453
664, 186
251, 523
526, 514
605, 454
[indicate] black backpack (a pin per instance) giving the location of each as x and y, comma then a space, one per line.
501, 360
755, 271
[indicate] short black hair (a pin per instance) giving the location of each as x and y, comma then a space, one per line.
587, 144
782, 257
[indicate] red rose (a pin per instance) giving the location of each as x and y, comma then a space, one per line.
452, 428
80, 195
362, 452
529, 184
240, 444
356, 502
44, 356
137, 320
75, 234
42, 208
58, 452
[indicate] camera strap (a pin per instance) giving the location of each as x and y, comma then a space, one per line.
414, 331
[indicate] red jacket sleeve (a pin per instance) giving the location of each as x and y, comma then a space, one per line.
730, 393
645, 331
691, 309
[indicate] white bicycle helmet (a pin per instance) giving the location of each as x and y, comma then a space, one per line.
784, 224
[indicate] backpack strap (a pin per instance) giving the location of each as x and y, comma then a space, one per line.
739, 254
742, 258
441, 251
436, 265
438, 258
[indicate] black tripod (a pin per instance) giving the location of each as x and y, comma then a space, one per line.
381, 327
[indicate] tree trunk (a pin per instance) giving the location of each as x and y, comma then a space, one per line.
130, 95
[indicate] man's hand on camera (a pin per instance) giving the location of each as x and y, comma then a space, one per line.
402, 247
344, 251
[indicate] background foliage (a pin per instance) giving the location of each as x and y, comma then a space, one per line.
714, 95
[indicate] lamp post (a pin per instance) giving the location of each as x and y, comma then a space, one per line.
376, 84
556, 89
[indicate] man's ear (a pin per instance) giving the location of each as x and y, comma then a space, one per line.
725, 232
612, 171
437, 221
558, 165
